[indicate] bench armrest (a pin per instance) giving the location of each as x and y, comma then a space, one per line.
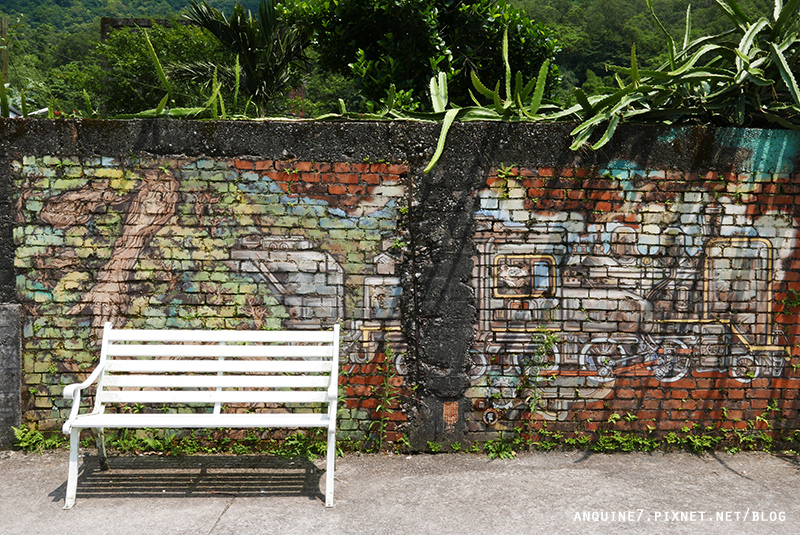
73, 392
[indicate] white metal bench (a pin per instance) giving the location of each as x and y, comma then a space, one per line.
287, 378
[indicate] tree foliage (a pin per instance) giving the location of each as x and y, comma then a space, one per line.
596, 33
129, 80
268, 51
744, 76
405, 42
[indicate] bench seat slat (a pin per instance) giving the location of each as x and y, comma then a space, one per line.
195, 350
215, 366
179, 421
179, 335
218, 381
212, 396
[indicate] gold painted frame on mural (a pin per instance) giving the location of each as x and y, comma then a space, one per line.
520, 280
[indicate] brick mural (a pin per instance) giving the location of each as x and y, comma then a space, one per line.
202, 243
651, 288
643, 292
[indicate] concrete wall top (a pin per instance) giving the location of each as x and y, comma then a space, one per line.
690, 148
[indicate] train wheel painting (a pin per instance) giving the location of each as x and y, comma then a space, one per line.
600, 356
745, 368
672, 361
479, 365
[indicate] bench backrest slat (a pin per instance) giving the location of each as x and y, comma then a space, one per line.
213, 396
215, 366
178, 367
217, 381
184, 335
192, 350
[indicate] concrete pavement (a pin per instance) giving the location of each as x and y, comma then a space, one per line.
555, 492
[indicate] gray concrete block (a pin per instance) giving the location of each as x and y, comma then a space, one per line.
10, 370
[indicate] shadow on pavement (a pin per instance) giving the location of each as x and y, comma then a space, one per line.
195, 476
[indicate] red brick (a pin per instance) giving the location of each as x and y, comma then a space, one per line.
337, 189
576, 194
598, 183
288, 177
262, 165
342, 168
793, 383
536, 193
371, 178
771, 189
356, 189
397, 169
398, 416
243, 164
759, 403
347, 178
373, 379
761, 393
670, 425
379, 168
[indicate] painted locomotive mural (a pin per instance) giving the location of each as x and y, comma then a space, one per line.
568, 303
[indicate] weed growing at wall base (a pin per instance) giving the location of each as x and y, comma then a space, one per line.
758, 434
29, 438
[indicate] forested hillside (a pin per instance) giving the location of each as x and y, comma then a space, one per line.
595, 32
65, 14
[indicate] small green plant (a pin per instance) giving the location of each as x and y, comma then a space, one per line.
309, 445
434, 447
504, 174
29, 438
499, 448
398, 245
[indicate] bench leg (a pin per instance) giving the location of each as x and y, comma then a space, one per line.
329, 469
101, 449
72, 473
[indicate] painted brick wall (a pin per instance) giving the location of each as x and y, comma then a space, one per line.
206, 243
649, 288
655, 296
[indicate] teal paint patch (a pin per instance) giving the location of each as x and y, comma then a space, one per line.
772, 151
623, 171
615, 166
